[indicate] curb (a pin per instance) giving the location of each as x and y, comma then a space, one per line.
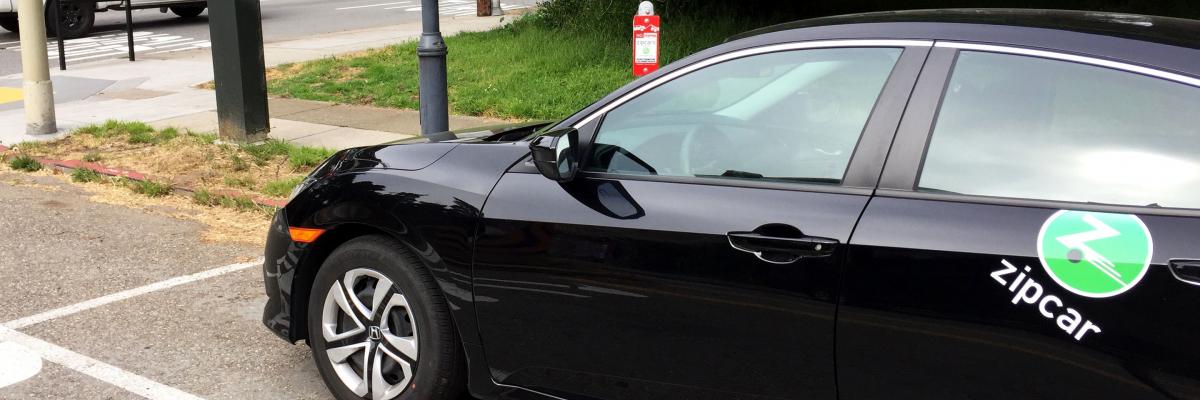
68, 166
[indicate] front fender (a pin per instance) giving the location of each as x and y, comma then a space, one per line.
433, 211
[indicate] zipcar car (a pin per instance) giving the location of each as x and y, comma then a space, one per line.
79, 16
982, 204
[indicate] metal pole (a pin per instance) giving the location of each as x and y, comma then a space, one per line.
58, 28
35, 69
235, 28
431, 56
129, 27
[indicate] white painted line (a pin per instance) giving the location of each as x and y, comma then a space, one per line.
128, 381
371, 5
19, 364
118, 296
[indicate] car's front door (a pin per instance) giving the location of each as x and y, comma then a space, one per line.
1033, 237
697, 255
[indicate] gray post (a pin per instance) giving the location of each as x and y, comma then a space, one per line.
431, 56
35, 69
235, 28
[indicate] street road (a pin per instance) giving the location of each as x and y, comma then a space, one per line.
282, 20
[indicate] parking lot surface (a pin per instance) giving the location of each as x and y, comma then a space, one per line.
118, 303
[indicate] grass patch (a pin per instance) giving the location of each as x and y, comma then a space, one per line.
85, 175
543, 66
236, 181
150, 188
243, 203
282, 187
307, 157
92, 157
32, 147
112, 128
24, 162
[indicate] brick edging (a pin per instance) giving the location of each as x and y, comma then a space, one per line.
68, 166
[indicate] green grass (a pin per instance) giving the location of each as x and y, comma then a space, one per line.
301, 157
530, 69
282, 187
238, 182
24, 163
92, 157
86, 175
150, 188
206, 198
32, 147
114, 127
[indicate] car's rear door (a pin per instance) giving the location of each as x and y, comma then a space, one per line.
697, 256
1033, 236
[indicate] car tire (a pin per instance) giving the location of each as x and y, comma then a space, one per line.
403, 340
9, 24
187, 11
78, 18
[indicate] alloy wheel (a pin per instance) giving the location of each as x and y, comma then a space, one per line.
370, 334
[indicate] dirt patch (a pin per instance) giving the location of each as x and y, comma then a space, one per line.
221, 225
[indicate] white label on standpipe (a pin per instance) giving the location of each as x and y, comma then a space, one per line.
647, 49
17, 364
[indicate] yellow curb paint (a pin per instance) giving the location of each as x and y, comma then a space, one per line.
9, 95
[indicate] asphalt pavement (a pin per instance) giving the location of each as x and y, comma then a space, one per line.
157, 33
82, 290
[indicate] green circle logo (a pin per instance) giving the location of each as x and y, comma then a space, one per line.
1095, 254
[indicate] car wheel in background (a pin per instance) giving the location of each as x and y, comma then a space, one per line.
187, 11
77, 18
9, 24
379, 327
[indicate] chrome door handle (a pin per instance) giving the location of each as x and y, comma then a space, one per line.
781, 250
1186, 270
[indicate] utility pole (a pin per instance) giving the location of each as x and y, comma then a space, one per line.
39, 91
431, 57
239, 71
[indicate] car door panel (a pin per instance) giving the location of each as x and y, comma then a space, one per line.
949, 293
629, 289
925, 316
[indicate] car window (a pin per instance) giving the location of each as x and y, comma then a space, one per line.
785, 116
1027, 127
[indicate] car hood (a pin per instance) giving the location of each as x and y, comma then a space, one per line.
491, 133
420, 152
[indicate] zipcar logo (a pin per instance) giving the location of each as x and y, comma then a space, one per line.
1095, 254
1026, 290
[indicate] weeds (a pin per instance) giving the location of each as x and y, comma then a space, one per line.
92, 157
307, 157
24, 162
151, 188
84, 175
282, 187
239, 181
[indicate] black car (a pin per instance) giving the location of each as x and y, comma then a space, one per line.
957, 204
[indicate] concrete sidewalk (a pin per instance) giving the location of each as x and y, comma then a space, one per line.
161, 90
336, 126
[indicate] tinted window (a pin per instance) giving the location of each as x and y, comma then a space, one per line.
787, 116
1025, 127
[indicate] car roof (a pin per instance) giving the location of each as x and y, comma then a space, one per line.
1164, 30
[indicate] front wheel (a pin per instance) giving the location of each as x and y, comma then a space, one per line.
77, 18
187, 11
379, 327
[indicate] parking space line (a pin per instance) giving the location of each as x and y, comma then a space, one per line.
122, 295
126, 380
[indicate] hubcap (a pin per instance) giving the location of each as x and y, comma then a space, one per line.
370, 334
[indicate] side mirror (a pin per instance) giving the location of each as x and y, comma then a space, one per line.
556, 154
